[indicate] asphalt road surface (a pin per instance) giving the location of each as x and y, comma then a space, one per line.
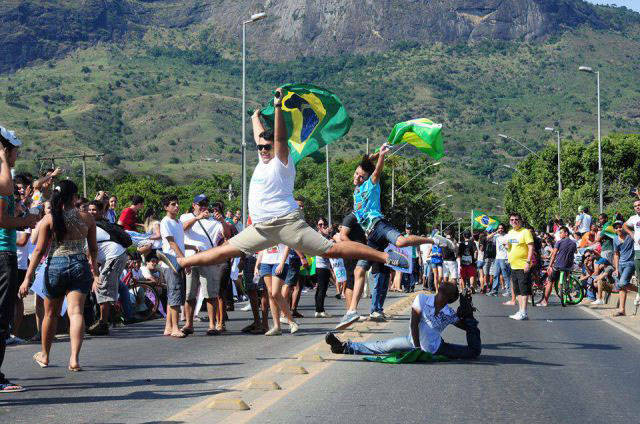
562, 365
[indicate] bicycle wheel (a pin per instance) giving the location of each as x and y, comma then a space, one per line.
559, 288
151, 301
537, 293
574, 291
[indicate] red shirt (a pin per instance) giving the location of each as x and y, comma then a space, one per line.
128, 219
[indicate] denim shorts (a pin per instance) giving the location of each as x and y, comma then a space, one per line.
626, 270
480, 264
293, 273
67, 273
270, 269
378, 238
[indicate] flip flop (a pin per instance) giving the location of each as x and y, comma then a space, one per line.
75, 369
179, 336
213, 332
36, 357
618, 314
187, 331
248, 328
11, 388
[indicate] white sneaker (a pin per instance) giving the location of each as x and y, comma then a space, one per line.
294, 327
284, 320
317, 315
246, 307
597, 302
519, 316
273, 332
325, 315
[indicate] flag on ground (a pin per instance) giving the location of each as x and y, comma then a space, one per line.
482, 221
314, 118
422, 133
607, 230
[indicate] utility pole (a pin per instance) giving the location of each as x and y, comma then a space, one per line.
83, 156
367, 146
328, 186
393, 185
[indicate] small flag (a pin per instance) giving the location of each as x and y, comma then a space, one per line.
314, 118
482, 221
607, 230
422, 133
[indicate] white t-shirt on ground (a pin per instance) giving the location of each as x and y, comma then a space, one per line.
271, 190
431, 325
107, 249
501, 250
634, 222
171, 228
196, 235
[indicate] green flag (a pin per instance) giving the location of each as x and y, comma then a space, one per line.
422, 133
607, 230
314, 117
482, 221
410, 357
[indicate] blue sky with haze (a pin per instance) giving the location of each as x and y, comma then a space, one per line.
631, 4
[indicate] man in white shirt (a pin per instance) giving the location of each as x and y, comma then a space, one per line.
173, 243
430, 315
274, 212
583, 221
203, 232
632, 226
502, 262
425, 256
112, 258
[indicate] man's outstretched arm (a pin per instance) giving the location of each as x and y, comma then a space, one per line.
280, 138
375, 177
258, 127
415, 328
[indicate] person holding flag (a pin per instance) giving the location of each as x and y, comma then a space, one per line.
274, 212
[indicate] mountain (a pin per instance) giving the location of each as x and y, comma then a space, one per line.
156, 84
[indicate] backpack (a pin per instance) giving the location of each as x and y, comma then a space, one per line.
117, 234
490, 249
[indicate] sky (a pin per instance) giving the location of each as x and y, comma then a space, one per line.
631, 4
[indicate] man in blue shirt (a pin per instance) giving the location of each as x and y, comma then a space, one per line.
623, 263
9, 144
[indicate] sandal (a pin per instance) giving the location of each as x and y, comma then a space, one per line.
7, 387
618, 314
213, 332
187, 331
36, 358
75, 369
179, 335
249, 328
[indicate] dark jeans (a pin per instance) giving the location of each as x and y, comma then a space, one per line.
471, 350
322, 276
380, 287
125, 300
8, 297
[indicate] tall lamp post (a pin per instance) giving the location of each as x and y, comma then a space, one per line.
507, 137
551, 129
591, 71
255, 17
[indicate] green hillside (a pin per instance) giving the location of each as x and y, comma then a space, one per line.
169, 103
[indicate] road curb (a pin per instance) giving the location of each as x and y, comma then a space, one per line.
611, 322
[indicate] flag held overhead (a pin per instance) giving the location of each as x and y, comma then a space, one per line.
422, 133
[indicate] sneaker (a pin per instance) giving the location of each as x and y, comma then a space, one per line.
466, 309
338, 296
336, 345
294, 327
99, 328
325, 315
316, 315
506, 294
397, 260
284, 320
597, 302
246, 308
169, 260
349, 318
519, 316
375, 316
13, 340
296, 314
363, 318
7, 387
274, 332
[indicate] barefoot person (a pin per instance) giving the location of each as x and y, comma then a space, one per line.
274, 212
430, 315
67, 271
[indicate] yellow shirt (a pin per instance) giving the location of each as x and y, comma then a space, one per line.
518, 249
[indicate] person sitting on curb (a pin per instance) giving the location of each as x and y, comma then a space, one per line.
430, 315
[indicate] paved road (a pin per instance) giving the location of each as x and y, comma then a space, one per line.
561, 366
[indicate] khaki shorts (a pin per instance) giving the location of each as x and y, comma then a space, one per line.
207, 276
290, 229
110, 279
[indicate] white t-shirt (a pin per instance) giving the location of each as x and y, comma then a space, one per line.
171, 228
585, 222
634, 222
501, 250
273, 255
425, 251
271, 190
23, 252
197, 234
107, 249
339, 269
431, 325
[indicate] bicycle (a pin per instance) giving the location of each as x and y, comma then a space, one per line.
568, 288
147, 300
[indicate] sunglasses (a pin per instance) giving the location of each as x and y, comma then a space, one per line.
262, 147
321, 224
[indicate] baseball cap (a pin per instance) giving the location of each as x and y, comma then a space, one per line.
200, 198
10, 136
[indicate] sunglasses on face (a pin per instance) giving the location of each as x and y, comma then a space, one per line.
262, 147
321, 224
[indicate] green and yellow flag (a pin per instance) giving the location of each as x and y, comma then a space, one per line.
422, 133
314, 117
607, 230
482, 221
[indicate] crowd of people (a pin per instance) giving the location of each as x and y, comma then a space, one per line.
78, 257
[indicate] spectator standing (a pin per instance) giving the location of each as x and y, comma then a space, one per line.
467, 255
42, 187
520, 254
632, 226
489, 247
561, 261
606, 242
502, 267
67, 271
425, 256
112, 260
202, 232
129, 216
583, 221
323, 273
623, 262
272, 264
450, 267
9, 145
23, 244
111, 215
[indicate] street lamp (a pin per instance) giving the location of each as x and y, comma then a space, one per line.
506, 137
255, 17
591, 71
429, 189
551, 129
420, 173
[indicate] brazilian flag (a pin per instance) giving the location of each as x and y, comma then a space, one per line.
608, 231
422, 133
482, 221
314, 117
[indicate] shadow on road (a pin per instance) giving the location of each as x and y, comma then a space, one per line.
535, 345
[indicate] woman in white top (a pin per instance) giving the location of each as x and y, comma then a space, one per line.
272, 263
